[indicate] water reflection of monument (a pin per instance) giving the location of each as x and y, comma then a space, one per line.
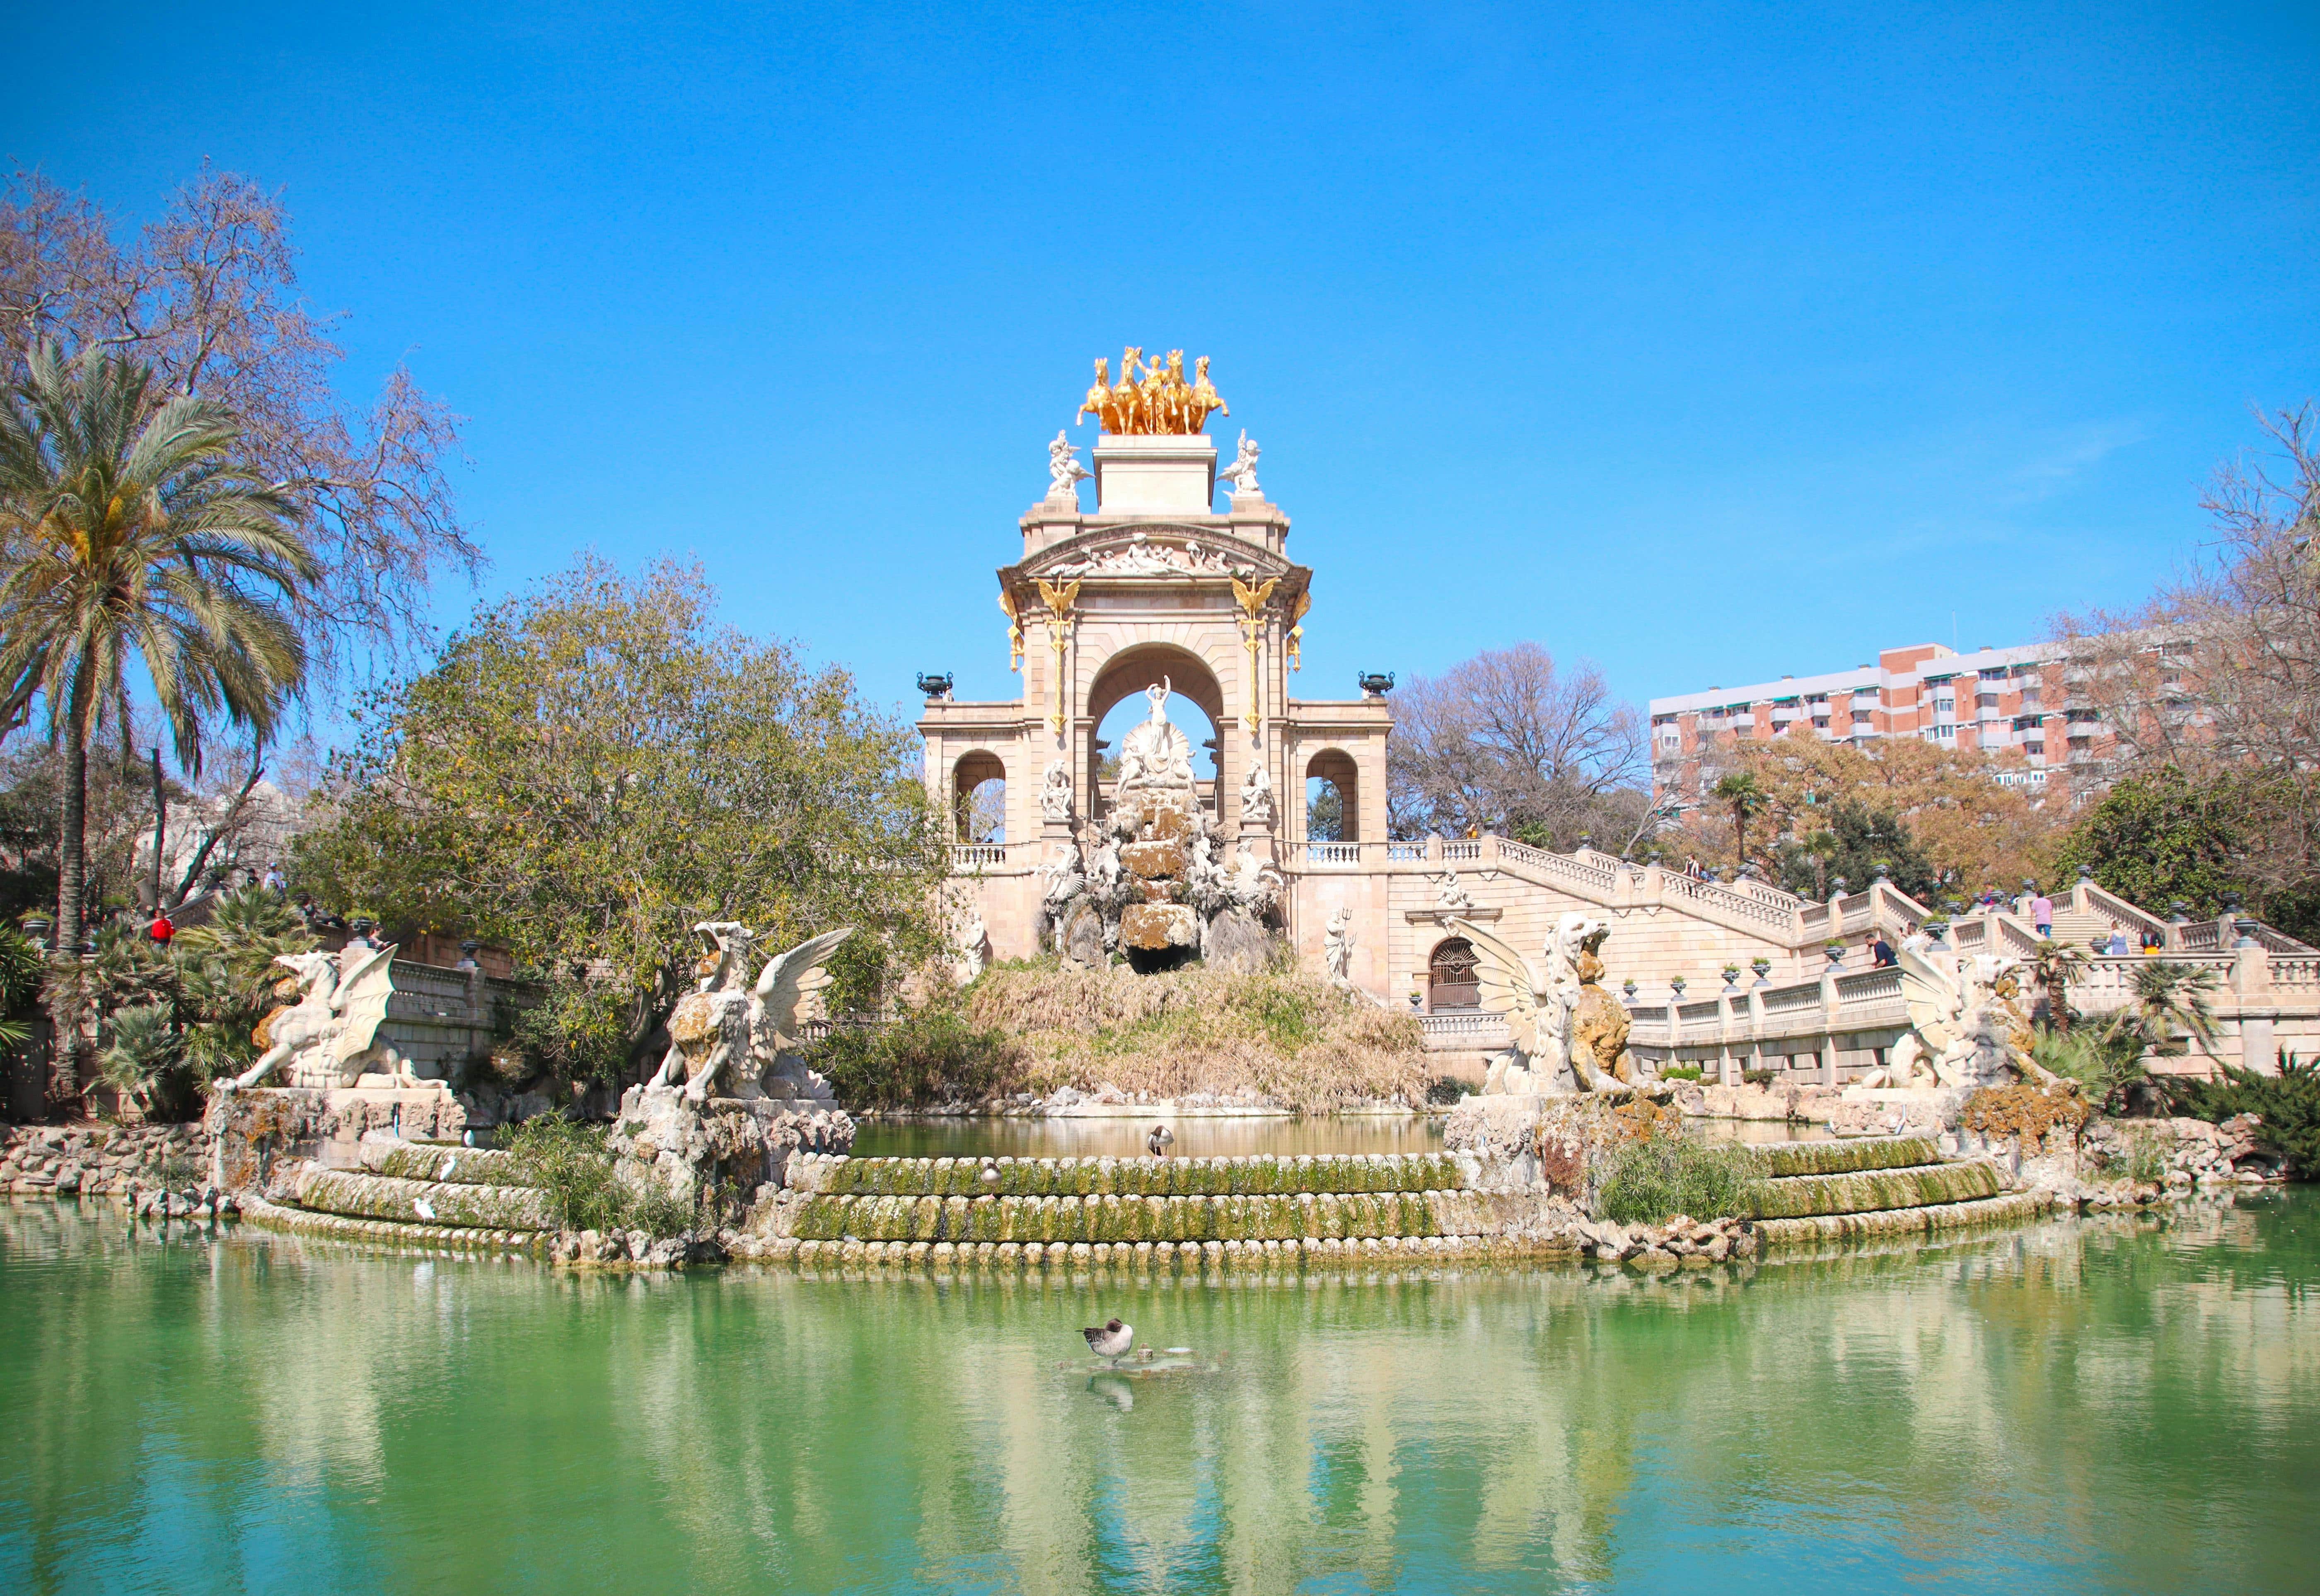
2071, 1396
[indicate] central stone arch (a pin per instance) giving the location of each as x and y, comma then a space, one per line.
1139, 666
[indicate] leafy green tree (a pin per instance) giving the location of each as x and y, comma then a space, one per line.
20, 969
2051, 970
227, 980
172, 1019
1854, 840
2153, 840
128, 527
1325, 812
2288, 1104
591, 769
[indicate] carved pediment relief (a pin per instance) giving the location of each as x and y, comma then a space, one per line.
1158, 550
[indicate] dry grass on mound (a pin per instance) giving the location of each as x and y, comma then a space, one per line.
1283, 1033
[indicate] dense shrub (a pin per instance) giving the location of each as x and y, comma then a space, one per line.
565, 1160
1663, 1175
929, 1055
2100, 1063
2288, 1105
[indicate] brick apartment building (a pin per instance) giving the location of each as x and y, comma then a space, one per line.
2009, 703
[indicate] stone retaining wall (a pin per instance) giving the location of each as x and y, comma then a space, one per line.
1837, 1157
1282, 1217
103, 1160
341, 1227
481, 1166
1163, 1257
2013, 1207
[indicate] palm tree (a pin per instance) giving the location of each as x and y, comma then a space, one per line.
129, 526
2170, 1006
1747, 797
2051, 970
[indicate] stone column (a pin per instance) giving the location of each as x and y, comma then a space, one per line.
2258, 1013
1828, 1002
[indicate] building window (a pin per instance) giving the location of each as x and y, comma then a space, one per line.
1943, 729
1986, 701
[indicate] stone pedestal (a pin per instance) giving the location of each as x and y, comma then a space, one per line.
721, 1152
1565, 1144
258, 1128
1164, 474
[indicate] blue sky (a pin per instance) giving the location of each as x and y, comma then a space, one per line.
1709, 341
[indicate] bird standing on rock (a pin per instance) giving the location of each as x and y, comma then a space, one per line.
1110, 1338
1159, 1139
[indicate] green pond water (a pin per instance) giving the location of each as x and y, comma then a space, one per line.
2102, 1404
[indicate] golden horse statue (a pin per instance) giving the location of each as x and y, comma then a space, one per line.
1152, 398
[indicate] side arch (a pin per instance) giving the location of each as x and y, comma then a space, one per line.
975, 806
1337, 768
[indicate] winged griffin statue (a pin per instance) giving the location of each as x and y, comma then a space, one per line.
1543, 1008
1964, 1029
329, 1036
729, 1027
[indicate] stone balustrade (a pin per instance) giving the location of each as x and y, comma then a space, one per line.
1832, 1029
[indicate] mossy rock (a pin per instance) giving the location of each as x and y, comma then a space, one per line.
1849, 1156
475, 1166
362, 1195
1868, 1190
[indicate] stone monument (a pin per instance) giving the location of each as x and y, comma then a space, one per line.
732, 1101
1568, 1033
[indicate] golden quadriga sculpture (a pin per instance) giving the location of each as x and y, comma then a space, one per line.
1155, 398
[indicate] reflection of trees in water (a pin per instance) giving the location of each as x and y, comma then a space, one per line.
2073, 1389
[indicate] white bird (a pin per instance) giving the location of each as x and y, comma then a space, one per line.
449, 1165
423, 1209
990, 1175
1159, 1139
1110, 1338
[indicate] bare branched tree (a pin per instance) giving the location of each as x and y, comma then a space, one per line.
2223, 664
1506, 742
208, 296
2218, 675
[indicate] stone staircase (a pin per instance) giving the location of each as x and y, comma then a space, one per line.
1895, 1185
459, 1198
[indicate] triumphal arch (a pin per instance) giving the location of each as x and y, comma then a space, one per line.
1179, 575
1177, 584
